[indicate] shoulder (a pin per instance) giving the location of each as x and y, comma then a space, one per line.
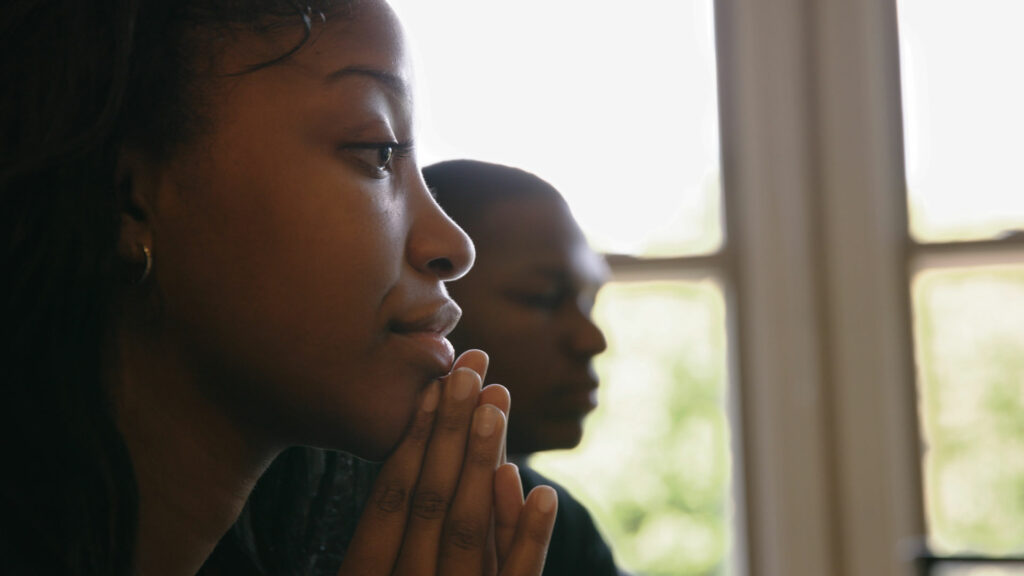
569, 508
577, 546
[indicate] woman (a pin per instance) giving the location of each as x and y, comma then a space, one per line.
222, 247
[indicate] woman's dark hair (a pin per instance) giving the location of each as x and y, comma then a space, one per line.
80, 80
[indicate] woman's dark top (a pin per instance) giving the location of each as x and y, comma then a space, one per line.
301, 519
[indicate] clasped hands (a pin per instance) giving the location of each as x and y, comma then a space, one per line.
446, 503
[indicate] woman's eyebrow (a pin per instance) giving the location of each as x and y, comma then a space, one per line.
391, 81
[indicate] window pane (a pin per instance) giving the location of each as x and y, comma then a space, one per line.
654, 465
969, 327
962, 94
616, 106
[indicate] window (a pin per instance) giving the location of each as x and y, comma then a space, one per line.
855, 257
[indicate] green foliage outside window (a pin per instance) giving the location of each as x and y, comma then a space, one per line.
654, 467
969, 328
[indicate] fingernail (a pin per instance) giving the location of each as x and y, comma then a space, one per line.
486, 420
462, 385
432, 397
546, 499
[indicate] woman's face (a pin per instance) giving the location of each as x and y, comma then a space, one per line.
528, 303
299, 258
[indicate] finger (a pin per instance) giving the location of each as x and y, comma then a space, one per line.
499, 396
466, 529
533, 534
440, 476
490, 567
508, 503
475, 360
496, 395
379, 534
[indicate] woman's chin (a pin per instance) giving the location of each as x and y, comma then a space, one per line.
374, 453
380, 444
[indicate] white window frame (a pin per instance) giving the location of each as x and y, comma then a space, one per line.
817, 268
816, 272
814, 189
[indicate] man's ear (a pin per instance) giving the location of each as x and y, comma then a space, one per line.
137, 178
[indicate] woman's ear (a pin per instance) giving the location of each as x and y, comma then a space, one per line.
137, 178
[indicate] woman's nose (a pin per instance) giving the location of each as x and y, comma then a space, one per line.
436, 245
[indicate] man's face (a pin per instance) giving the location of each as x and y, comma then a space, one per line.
528, 303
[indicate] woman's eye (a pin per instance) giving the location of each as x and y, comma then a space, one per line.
385, 154
378, 158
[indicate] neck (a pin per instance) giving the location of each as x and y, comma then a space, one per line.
194, 466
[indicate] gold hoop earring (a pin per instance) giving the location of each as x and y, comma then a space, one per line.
149, 265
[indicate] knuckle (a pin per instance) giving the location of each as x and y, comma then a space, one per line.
429, 505
482, 456
466, 535
390, 499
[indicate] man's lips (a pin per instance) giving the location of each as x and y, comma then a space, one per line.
575, 395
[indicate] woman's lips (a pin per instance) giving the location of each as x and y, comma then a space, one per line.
439, 318
432, 347
424, 332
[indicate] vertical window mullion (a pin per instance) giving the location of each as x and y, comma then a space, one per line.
764, 91
815, 207
864, 239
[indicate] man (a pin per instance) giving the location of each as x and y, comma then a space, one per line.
528, 302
